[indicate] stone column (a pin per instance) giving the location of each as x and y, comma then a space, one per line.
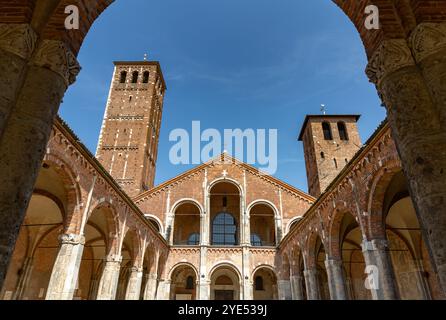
296, 288
411, 84
336, 279
163, 292
312, 284
17, 43
204, 283
379, 267
150, 287
65, 273
248, 293
284, 288
133, 291
108, 285
204, 289
23, 144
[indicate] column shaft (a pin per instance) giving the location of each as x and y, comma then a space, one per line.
312, 284
150, 287
108, 284
26, 135
133, 291
65, 273
284, 287
379, 267
296, 288
336, 279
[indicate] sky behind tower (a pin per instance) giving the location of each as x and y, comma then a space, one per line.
259, 64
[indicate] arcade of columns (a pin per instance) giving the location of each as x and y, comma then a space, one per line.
407, 63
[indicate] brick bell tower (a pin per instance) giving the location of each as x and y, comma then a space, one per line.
330, 142
128, 143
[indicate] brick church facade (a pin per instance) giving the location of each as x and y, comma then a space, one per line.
97, 227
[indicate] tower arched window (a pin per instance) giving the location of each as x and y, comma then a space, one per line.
146, 77
224, 230
193, 240
123, 77
342, 131
322, 155
135, 75
326, 128
259, 283
190, 283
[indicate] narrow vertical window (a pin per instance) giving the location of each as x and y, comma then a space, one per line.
123, 77
190, 283
335, 163
342, 131
146, 77
327, 131
135, 77
322, 155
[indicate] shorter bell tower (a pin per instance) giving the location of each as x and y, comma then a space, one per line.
330, 142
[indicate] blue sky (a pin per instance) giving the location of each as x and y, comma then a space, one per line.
258, 64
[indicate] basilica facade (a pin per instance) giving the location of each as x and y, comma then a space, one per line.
97, 228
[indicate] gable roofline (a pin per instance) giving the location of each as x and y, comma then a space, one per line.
313, 116
225, 157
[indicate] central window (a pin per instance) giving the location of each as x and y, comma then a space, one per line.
224, 230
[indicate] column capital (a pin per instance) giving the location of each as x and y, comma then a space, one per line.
55, 56
333, 263
427, 39
73, 239
135, 269
391, 56
113, 258
19, 39
374, 244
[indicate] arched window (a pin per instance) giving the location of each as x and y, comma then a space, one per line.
193, 240
322, 155
135, 77
327, 131
123, 77
190, 283
146, 77
259, 283
255, 240
224, 230
342, 131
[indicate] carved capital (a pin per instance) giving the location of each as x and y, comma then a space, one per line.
428, 39
72, 239
114, 258
55, 56
18, 39
391, 56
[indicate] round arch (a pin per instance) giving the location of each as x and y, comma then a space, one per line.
156, 221
183, 264
225, 180
291, 222
183, 281
264, 202
377, 189
226, 281
182, 201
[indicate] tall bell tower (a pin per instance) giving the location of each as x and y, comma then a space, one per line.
128, 143
330, 142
